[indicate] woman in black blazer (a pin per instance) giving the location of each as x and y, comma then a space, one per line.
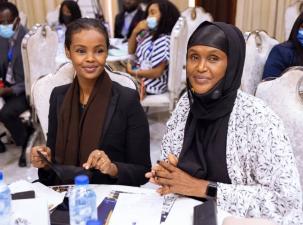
94, 123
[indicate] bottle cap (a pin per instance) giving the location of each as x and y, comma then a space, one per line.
81, 180
93, 222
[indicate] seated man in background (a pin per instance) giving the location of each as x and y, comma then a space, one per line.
12, 88
126, 20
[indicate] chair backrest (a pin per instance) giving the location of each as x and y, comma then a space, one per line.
177, 59
43, 87
284, 96
52, 17
258, 46
290, 16
87, 8
38, 53
122, 78
23, 18
194, 17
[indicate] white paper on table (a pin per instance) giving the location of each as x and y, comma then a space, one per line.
137, 209
182, 212
130, 189
34, 211
52, 197
20, 186
221, 215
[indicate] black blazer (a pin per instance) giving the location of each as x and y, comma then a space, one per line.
119, 22
125, 137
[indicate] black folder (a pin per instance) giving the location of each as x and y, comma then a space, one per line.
65, 173
206, 213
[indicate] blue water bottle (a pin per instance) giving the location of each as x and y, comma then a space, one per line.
82, 202
5, 202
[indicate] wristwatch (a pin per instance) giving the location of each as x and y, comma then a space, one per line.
211, 190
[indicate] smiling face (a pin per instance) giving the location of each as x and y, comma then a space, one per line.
205, 67
88, 53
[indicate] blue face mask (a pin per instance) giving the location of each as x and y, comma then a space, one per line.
6, 31
152, 22
300, 36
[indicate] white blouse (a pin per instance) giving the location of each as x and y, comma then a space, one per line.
260, 161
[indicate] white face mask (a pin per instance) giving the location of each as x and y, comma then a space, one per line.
152, 22
7, 31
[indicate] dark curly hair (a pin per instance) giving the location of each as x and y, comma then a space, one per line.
84, 24
73, 8
168, 19
293, 39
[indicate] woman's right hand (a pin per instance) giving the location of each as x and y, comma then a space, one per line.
35, 158
171, 159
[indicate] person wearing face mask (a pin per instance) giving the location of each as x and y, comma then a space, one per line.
12, 75
150, 43
126, 20
224, 145
286, 54
69, 12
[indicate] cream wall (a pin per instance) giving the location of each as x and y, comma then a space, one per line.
36, 10
181, 4
259, 14
251, 14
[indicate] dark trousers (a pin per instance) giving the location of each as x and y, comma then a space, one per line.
9, 116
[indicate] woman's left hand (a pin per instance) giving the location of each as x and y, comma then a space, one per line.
100, 161
174, 180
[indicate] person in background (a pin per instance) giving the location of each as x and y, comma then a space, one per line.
69, 12
150, 43
94, 123
126, 20
286, 54
12, 88
223, 144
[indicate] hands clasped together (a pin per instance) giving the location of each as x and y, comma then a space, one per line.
174, 180
96, 160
